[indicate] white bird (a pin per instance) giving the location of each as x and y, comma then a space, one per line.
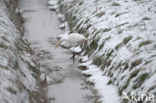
72, 40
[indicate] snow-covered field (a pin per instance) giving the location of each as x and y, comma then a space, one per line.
122, 43
18, 71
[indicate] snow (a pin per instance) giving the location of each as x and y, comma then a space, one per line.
84, 59
108, 93
61, 17
4, 61
16, 79
62, 36
52, 7
63, 25
124, 36
52, 2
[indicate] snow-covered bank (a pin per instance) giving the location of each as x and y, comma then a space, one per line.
108, 93
19, 72
122, 37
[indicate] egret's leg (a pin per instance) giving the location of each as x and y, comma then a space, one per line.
73, 57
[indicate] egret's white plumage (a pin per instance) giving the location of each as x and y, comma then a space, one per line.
76, 50
72, 40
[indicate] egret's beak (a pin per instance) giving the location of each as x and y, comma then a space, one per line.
57, 44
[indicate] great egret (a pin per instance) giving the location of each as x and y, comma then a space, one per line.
72, 40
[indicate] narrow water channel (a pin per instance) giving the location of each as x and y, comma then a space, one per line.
66, 85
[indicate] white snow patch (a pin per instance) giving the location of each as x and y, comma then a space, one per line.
108, 93
84, 58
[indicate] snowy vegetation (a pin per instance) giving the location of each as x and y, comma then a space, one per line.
120, 56
19, 73
122, 42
